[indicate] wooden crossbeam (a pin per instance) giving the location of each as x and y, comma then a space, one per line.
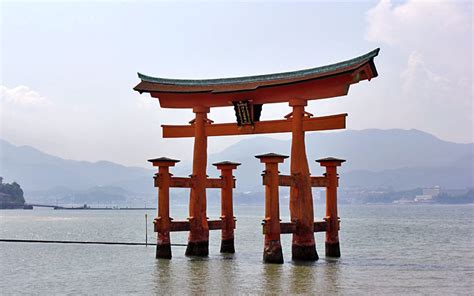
288, 181
320, 226
186, 225
260, 127
285, 180
215, 183
289, 227
182, 182
214, 224
319, 182
179, 226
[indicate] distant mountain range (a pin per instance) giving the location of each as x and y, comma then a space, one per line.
399, 159
38, 171
403, 159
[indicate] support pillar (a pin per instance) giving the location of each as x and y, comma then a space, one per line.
332, 232
198, 241
301, 198
272, 252
163, 221
227, 208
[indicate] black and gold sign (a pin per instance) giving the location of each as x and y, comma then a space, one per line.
246, 112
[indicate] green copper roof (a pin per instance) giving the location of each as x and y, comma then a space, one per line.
259, 78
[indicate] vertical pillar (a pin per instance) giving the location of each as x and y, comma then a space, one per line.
332, 232
163, 221
301, 198
198, 241
272, 252
227, 209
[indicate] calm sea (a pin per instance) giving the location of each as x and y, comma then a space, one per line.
386, 250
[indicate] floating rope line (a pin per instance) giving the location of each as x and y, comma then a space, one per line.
81, 242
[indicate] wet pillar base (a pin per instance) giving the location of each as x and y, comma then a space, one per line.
304, 253
227, 246
332, 250
163, 251
200, 249
273, 253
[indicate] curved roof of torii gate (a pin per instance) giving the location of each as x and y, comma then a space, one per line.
315, 83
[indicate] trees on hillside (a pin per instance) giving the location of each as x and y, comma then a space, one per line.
11, 195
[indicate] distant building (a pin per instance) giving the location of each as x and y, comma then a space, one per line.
428, 194
434, 191
423, 198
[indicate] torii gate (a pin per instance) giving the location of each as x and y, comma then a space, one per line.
247, 95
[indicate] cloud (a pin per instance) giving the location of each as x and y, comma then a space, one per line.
416, 23
430, 45
417, 75
22, 96
436, 36
145, 102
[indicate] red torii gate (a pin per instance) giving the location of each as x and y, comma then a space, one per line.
247, 95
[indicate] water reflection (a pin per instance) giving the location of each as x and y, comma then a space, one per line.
331, 279
303, 277
163, 276
197, 275
226, 269
273, 277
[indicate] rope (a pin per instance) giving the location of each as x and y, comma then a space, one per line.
81, 242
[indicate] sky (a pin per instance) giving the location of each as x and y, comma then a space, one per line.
68, 68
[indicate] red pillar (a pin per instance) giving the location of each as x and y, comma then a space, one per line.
163, 221
198, 241
332, 232
227, 208
272, 252
301, 198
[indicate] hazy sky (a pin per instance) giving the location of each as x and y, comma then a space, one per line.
68, 69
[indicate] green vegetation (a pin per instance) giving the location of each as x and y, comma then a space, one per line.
466, 198
11, 195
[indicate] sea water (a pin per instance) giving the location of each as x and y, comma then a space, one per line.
386, 250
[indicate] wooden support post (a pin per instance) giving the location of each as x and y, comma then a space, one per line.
163, 221
332, 231
198, 241
301, 198
227, 209
272, 252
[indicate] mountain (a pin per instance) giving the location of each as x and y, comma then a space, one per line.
38, 171
370, 149
375, 158
453, 175
398, 159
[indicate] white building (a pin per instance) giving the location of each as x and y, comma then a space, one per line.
428, 194
434, 191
